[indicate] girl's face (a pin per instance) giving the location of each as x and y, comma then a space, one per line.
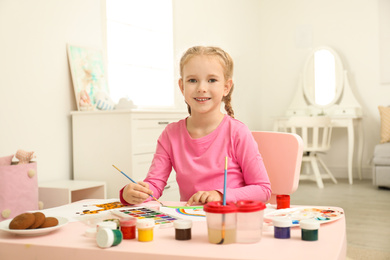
203, 84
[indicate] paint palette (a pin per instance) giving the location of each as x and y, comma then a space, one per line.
321, 214
159, 217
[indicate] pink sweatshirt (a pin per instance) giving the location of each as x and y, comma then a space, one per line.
199, 163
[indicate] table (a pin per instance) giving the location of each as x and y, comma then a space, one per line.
350, 123
69, 242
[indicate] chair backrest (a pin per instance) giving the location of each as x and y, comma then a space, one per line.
282, 156
316, 131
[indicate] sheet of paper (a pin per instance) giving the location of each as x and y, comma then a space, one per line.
73, 212
192, 213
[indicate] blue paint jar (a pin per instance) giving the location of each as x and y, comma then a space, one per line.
282, 227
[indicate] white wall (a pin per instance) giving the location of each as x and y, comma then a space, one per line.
348, 26
36, 93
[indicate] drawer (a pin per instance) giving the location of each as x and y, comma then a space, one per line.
146, 133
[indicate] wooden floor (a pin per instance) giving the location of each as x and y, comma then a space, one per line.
367, 212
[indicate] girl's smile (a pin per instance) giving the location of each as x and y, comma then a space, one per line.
202, 99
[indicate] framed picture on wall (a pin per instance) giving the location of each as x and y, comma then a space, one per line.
88, 75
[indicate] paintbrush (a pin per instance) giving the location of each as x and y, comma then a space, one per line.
224, 201
136, 183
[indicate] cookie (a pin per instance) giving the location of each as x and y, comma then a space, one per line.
22, 221
39, 219
49, 222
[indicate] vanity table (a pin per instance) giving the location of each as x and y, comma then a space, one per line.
324, 90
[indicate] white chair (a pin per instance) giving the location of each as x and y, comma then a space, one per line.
316, 133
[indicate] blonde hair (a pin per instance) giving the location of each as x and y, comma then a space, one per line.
226, 62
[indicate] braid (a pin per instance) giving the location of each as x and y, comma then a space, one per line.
227, 100
188, 108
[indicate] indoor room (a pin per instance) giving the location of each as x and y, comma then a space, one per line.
271, 43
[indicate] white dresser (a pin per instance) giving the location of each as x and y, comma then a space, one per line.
124, 138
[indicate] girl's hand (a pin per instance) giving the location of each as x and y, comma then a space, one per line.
136, 193
203, 197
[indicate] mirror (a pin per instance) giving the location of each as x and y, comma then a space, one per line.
323, 77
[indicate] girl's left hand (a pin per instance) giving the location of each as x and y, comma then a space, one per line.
203, 197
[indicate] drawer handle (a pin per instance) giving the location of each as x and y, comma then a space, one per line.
167, 187
163, 123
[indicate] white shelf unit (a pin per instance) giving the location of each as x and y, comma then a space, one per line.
124, 138
58, 193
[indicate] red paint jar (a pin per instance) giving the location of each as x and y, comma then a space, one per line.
282, 201
128, 227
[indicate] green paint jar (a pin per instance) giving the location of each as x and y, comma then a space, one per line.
309, 229
106, 237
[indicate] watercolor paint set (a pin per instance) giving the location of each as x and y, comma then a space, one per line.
160, 218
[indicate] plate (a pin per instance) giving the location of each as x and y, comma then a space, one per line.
4, 225
322, 214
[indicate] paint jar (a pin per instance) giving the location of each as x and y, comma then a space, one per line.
182, 229
107, 237
249, 221
106, 224
221, 222
282, 201
145, 229
281, 227
309, 229
128, 227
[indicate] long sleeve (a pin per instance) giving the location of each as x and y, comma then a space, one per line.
199, 163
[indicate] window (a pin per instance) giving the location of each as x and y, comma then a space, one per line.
140, 51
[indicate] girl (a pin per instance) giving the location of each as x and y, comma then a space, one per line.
196, 147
